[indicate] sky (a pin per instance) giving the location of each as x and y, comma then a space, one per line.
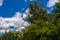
12, 12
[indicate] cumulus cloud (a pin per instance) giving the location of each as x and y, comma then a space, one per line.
16, 21
1, 2
26, 13
51, 3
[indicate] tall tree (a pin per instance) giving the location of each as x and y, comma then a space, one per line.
43, 26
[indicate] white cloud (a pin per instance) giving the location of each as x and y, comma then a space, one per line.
26, 13
51, 3
16, 21
1, 2
25, 0
30, 0
2, 30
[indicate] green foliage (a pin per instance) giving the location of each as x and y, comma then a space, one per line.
43, 26
12, 35
37, 12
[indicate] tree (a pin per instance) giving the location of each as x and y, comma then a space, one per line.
37, 12
12, 35
43, 26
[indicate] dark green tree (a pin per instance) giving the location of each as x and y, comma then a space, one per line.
43, 26
12, 35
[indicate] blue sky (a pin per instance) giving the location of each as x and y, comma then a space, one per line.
11, 12
9, 7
